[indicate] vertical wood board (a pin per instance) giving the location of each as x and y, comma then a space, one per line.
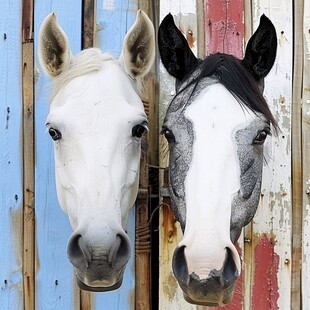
11, 193
272, 223
224, 29
170, 293
113, 20
28, 179
28, 155
224, 32
297, 157
306, 155
55, 281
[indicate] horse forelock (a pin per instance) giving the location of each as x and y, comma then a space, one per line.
87, 61
227, 70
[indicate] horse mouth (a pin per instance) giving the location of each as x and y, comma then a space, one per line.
99, 279
86, 287
215, 290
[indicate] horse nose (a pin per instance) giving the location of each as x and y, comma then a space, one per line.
214, 290
115, 251
78, 252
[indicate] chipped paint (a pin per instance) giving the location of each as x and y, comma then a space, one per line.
265, 291
224, 27
180, 7
170, 286
169, 225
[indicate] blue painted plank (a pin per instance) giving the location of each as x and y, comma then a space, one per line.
113, 20
11, 199
55, 283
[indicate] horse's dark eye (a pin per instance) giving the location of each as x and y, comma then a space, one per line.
261, 136
168, 134
138, 130
55, 134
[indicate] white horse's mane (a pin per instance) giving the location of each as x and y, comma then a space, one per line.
87, 61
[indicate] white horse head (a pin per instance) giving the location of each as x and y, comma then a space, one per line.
216, 126
96, 120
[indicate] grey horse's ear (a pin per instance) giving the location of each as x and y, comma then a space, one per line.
138, 53
175, 53
54, 50
261, 49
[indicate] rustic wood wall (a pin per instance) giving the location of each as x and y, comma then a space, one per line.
276, 244
35, 272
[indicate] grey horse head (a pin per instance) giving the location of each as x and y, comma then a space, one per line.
216, 126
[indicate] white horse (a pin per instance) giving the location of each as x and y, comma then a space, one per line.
216, 127
96, 120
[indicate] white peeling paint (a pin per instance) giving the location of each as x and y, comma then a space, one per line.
182, 7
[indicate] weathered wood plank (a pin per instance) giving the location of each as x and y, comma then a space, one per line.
272, 223
28, 156
88, 23
11, 193
113, 20
143, 251
305, 288
297, 155
55, 283
88, 30
170, 294
224, 29
224, 32
28, 152
248, 251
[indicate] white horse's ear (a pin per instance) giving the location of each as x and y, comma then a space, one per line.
138, 52
54, 50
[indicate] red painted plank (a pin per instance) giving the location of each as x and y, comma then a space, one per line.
265, 292
224, 28
224, 32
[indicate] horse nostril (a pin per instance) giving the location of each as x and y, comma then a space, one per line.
77, 252
230, 270
120, 251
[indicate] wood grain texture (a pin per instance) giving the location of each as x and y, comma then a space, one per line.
224, 32
224, 29
28, 152
113, 20
305, 288
297, 158
88, 29
88, 23
55, 283
170, 294
11, 166
273, 217
28, 156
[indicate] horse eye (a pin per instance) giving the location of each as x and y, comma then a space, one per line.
55, 134
261, 136
168, 135
138, 130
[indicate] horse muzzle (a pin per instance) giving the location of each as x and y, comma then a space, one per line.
99, 268
216, 290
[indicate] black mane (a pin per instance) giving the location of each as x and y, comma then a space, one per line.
230, 72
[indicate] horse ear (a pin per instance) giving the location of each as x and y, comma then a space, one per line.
138, 53
175, 53
54, 50
261, 49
